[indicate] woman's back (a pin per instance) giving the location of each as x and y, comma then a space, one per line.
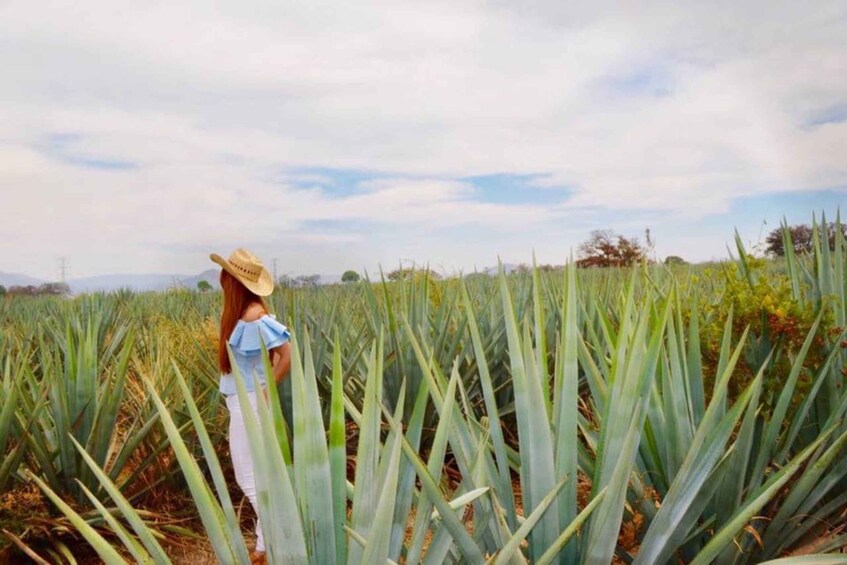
245, 342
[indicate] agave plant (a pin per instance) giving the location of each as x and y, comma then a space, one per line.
76, 392
594, 380
303, 510
12, 444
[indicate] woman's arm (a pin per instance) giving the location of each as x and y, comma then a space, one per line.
281, 361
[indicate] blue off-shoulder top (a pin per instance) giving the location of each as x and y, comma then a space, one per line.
246, 344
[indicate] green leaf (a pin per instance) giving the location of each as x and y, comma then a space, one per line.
106, 552
338, 454
755, 503
207, 506
312, 469
150, 543
537, 466
504, 556
571, 529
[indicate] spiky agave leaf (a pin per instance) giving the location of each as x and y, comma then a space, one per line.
281, 522
338, 455
312, 473
106, 552
211, 514
538, 475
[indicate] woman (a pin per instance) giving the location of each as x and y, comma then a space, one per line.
245, 325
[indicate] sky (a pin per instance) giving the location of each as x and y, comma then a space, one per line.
140, 137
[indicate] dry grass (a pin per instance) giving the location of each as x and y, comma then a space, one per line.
195, 552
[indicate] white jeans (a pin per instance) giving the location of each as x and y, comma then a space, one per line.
242, 461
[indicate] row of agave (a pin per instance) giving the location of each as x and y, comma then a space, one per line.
614, 363
68, 373
634, 420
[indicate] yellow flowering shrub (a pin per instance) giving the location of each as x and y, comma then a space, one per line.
778, 323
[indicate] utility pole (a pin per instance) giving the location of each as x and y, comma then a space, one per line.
651, 244
275, 276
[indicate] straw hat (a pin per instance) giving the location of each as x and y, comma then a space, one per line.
248, 269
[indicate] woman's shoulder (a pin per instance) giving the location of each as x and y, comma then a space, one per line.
253, 313
247, 336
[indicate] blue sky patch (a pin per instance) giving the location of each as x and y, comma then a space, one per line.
335, 182
101, 164
643, 80
830, 115
797, 206
507, 188
330, 226
501, 188
59, 146
764, 212
62, 140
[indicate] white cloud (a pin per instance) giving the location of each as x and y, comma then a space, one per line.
679, 108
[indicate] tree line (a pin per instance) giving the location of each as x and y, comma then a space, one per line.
605, 248
802, 238
46, 289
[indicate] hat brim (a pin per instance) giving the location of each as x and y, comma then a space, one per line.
264, 286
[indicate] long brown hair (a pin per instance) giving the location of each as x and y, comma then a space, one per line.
237, 298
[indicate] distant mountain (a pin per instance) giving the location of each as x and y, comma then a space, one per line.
212, 276
15, 279
137, 283
108, 283
158, 282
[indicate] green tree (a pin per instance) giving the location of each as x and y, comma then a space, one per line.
54, 289
204, 286
350, 277
802, 238
675, 260
409, 273
307, 281
2, 290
